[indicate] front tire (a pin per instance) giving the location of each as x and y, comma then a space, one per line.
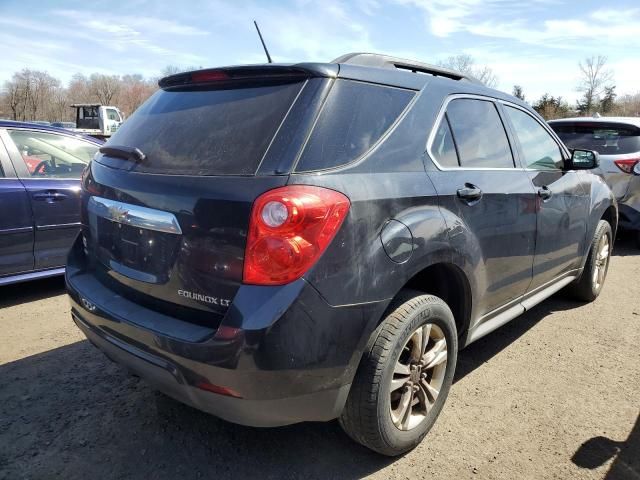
589, 285
404, 377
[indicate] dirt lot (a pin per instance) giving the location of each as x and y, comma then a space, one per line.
554, 394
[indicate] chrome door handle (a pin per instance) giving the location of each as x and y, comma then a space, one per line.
470, 193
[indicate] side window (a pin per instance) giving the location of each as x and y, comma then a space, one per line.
48, 155
113, 115
540, 150
479, 134
443, 148
354, 117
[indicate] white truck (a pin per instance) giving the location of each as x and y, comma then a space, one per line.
97, 120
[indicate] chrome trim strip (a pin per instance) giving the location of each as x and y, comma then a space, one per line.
58, 226
23, 277
10, 231
134, 215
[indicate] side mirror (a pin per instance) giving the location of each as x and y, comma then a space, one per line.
584, 159
636, 169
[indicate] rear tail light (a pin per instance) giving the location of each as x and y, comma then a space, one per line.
290, 228
627, 165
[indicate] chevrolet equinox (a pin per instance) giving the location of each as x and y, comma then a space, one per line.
283, 243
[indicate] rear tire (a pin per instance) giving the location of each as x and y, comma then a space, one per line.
636, 235
589, 285
404, 377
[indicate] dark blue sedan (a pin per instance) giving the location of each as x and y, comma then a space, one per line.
40, 169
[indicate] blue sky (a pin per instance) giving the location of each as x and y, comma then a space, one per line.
534, 43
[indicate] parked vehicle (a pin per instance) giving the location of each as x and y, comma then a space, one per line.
40, 170
285, 243
617, 140
67, 125
97, 120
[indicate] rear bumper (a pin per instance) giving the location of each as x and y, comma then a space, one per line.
282, 353
169, 379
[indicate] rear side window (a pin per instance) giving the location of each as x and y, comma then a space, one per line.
443, 147
606, 139
354, 117
479, 134
539, 149
207, 132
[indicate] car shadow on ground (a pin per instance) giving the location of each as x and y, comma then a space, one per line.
24, 292
625, 245
596, 451
481, 351
70, 412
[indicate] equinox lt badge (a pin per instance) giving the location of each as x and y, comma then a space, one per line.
223, 302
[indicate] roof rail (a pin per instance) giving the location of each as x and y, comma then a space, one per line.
386, 61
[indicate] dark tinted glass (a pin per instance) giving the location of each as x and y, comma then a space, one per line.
443, 148
479, 134
207, 132
354, 117
606, 139
540, 150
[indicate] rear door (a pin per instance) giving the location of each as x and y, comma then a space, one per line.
49, 166
563, 203
16, 223
478, 181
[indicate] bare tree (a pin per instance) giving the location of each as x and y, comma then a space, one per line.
134, 91
12, 98
466, 64
518, 92
595, 77
170, 70
104, 87
35, 95
79, 90
173, 69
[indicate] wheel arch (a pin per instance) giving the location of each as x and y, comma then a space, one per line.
445, 280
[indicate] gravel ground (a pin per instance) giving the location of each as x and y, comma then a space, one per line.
553, 394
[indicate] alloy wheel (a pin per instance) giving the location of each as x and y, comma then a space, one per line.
418, 376
601, 262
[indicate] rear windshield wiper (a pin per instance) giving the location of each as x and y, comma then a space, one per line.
127, 153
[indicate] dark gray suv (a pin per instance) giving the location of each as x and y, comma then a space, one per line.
285, 243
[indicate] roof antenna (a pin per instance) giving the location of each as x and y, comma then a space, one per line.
263, 45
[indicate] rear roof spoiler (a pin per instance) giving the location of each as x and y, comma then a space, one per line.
247, 73
386, 61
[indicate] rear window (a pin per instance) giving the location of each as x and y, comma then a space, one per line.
354, 117
207, 132
604, 139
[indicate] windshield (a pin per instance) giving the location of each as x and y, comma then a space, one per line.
606, 139
207, 132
